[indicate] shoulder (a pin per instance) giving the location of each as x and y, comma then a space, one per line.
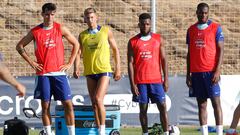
105, 27
192, 26
156, 35
84, 32
136, 37
37, 27
214, 24
56, 24
210, 22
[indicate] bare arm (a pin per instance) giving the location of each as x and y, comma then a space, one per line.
73, 41
20, 48
112, 42
164, 65
6, 76
188, 76
130, 57
217, 72
76, 72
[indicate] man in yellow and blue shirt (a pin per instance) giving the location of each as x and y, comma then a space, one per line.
95, 43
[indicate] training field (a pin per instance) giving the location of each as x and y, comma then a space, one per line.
137, 131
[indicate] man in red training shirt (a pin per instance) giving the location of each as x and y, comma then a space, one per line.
50, 66
205, 55
146, 59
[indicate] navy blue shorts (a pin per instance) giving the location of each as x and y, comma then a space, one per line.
202, 86
154, 92
98, 76
58, 86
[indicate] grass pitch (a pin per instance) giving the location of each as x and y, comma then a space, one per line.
185, 130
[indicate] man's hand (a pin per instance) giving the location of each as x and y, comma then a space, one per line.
21, 90
117, 75
134, 90
36, 66
65, 67
76, 74
216, 77
165, 85
188, 80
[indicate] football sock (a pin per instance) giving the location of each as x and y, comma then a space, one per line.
204, 129
219, 130
71, 129
166, 133
102, 130
47, 130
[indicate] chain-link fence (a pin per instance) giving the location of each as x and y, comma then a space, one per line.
17, 17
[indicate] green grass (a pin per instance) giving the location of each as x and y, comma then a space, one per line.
185, 130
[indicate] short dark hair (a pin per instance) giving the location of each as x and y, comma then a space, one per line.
144, 16
49, 7
202, 5
89, 11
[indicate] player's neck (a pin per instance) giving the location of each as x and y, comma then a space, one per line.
201, 22
93, 27
47, 25
145, 34
146, 37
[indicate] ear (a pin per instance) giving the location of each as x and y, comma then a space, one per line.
84, 18
96, 18
138, 25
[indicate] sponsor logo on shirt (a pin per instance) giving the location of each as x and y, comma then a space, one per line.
146, 54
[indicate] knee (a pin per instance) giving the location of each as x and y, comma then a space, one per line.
98, 101
162, 106
68, 107
143, 112
202, 106
216, 105
45, 111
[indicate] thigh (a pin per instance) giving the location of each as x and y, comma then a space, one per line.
60, 87
199, 89
91, 85
42, 88
156, 93
102, 86
143, 94
213, 90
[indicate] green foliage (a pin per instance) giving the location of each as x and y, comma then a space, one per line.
156, 129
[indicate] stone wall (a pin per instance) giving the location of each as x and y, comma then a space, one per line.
17, 17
